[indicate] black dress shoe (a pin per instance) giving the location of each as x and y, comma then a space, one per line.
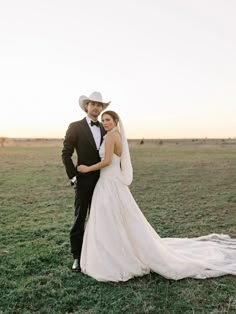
76, 266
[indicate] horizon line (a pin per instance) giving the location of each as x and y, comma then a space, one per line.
138, 138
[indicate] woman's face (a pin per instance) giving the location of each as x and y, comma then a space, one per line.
108, 122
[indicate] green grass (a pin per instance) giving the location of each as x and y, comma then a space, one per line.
183, 191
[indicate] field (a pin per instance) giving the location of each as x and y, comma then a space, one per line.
183, 190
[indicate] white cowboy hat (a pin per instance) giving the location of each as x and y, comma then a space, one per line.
96, 97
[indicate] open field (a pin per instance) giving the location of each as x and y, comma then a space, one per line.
183, 190
26, 142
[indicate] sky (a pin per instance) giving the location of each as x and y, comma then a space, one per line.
167, 66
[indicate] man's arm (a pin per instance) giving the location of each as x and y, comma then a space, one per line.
67, 152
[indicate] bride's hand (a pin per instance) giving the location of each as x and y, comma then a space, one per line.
83, 168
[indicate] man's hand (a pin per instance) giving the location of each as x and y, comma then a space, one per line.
83, 168
73, 181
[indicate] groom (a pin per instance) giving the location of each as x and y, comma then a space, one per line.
84, 136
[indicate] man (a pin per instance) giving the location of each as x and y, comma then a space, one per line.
84, 136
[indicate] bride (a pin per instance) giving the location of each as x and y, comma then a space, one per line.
120, 244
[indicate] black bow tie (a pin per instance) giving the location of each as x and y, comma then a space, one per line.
95, 123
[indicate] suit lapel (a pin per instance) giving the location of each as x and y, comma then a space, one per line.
88, 134
103, 132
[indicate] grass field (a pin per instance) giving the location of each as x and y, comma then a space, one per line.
182, 190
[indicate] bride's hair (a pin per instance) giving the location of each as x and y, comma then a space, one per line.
113, 114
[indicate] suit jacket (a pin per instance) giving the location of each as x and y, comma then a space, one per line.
80, 138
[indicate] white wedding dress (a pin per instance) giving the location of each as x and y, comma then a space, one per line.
120, 244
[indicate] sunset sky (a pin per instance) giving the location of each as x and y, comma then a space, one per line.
168, 66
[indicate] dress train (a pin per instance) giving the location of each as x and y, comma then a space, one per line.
120, 244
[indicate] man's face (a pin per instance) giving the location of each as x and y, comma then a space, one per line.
94, 109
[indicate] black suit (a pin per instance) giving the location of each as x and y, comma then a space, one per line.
79, 137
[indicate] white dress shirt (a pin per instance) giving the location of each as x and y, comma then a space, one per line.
96, 132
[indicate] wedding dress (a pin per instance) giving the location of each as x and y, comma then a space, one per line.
120, 244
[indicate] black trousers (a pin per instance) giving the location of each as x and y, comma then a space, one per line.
83, 197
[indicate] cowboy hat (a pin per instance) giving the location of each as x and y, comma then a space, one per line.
96, 97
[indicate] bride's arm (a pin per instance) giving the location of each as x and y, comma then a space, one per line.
109, 149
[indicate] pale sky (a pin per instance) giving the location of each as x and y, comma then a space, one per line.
167, 66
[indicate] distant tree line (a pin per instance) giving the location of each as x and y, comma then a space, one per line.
2, 140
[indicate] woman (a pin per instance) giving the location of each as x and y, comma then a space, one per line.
119, 243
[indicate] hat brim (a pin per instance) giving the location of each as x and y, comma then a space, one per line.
83, 101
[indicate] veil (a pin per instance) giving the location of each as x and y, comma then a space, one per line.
126, 165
